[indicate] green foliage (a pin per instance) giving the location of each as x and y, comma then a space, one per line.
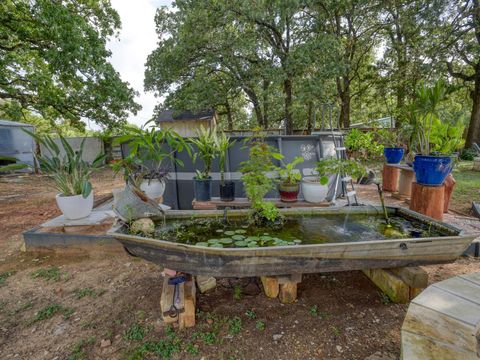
207, 149
69, 171
150, 150
81, 293
54, 61
446, 138
223, 144
234, 325
250, 314
51, 310
255, 177
4, 275
363, 144
469, 154
237, 292
78, 351
332, 165
287, 171
50, 274
389, 138
260, 325
134, 333
314, 311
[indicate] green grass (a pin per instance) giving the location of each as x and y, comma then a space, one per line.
134, 333
251, 314
164, 348
78, 351
314, 310
81, 293
234, 325
467, 188
51, 310
52, 273
4, 275
260, 325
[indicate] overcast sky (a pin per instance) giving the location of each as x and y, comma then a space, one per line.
136, 41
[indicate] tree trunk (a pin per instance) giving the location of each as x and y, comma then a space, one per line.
266, 84
256, 106
473, 134
343, 89
287, 88
229, 115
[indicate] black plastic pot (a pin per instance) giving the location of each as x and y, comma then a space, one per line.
227, 191
202, 189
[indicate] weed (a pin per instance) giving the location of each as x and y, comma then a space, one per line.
4, 275
336, 331
78, 351
49, 274
384, 299
140, 314
165, 348
237, 292
234, 325
208, 338
324, 315
260, 325
28, 305
81, 293
314, 310
192, 349
134, 333
250, 314
51, 310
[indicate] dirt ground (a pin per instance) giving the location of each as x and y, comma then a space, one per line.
58, 307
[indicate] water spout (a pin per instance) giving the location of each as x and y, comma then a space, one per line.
225, 214
382, 200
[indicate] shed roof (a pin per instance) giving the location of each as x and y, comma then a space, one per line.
14, 123
178, 115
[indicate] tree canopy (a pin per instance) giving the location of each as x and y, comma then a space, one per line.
54, 62
288, 60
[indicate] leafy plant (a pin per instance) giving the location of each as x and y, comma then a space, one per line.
70, 172
51, 310
134, 333
207, 149
237, 292
50, 274
250, 314
363, 144
287, 171
314, 310
234, 325
389, 138
14, 165
4, 275
150, 149
446, 138
260, 325
332, 165
223, 144
255, 178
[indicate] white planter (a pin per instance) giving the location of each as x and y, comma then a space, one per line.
153, 190
312, 190
75, 207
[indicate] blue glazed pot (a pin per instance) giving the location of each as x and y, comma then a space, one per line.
432, 170
393, 155
202, 189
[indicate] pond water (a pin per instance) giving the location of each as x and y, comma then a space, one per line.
295, 231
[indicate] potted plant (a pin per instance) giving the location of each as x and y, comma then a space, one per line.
392, 150
71, 175
151, 153
257, 182
207, 149
435, 140
315, 188
227, 188
289, 186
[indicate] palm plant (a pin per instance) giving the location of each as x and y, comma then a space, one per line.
150, 149
223, 144
207, 149
69, 171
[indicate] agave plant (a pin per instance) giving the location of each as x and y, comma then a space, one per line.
69, 171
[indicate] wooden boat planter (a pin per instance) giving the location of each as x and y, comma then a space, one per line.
300, 259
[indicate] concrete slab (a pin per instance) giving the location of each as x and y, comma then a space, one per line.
95, 218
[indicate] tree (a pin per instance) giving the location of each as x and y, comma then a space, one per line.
460, 36
54, 61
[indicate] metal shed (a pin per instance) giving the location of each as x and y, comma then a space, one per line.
16, 143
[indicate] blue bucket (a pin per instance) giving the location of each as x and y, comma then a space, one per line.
393, 155
432, 170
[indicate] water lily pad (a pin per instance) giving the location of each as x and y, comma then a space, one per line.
265, 234
240, 243
201, 243
297, 241
240, 231
266, 238
245, 226
219, 230
216, 245
252, 245
213, 241
226, 241
238, 237
229, 232
252, 238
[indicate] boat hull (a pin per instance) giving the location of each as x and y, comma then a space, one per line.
314, 258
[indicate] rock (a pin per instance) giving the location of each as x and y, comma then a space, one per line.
205, 283
60, 329
339, 349
144, 226
277, 337
105, 343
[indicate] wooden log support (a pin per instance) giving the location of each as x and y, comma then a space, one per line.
405, 181
449, 186
444, 321
284, 287
390, 176
183, 311
400, 284
205, 283
428, 200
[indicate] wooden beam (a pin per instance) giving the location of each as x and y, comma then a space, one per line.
392, 285
414, 276
270, 286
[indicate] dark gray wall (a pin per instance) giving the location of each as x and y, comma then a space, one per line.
179, 188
